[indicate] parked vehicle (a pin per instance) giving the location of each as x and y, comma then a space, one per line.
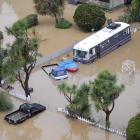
24, 112
102, 42
55, 71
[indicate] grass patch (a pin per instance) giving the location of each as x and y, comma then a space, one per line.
63, 24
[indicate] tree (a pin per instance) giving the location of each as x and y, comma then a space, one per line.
89, 17
53, 8
80, 103
133, 128
67, 91
135, 12
77, 98
22, 56
104, 91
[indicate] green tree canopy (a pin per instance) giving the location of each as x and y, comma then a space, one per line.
77, 98
104, 91
80, 103
135, 12
22, 56
133, 128
53, 8
89, 17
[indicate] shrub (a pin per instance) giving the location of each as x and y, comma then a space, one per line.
135, 16
5, 102
29, 21
89, 17
1, 35
133, 128
126, 18
63, 24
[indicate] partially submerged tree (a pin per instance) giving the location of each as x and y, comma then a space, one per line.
80, 103
53, 8
67, 91
77, 98
22, 56
104, 91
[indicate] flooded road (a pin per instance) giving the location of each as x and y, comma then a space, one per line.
7, 18
50, 124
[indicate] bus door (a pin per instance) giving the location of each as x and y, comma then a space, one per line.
98, 51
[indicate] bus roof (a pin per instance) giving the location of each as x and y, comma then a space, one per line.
98, 37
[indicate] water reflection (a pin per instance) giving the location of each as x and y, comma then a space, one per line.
7, 18
26, 131
74, 132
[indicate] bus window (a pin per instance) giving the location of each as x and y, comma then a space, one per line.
81, 54
92, 51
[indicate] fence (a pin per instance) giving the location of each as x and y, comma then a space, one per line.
96, 124
56, 54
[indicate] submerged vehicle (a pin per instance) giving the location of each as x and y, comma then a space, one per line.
55, 71
69, 65
102, 42
24, 112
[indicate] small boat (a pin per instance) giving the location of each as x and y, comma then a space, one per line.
69, 65
55, 71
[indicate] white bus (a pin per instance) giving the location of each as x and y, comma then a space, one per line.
102, 42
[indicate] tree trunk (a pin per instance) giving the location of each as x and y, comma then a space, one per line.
56, 19
26, 85
107, 116
107, 119
0, 80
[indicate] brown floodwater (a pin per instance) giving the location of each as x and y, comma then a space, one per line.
50, 124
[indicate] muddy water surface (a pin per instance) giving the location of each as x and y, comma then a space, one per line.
52, 125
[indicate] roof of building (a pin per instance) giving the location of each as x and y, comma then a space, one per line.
100, 36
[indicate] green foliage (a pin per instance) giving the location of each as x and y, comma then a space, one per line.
67, 91
133, 128
77, 98
89, 17
22, 56
53, 8
63, 24
80, 103
5, 102
135, 5
126, 18
1, 35
31, 20
104, 91
134, 13
21, 25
